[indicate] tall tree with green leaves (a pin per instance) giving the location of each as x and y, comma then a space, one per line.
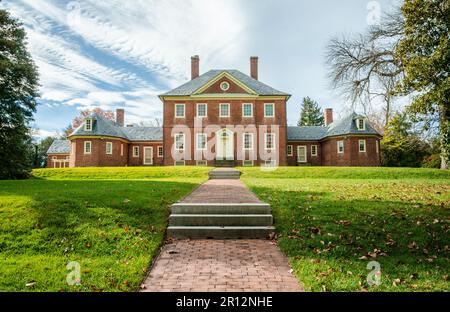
310, 114
18, 91
425, 54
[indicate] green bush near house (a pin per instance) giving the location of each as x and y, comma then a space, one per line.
109, 220
332, 222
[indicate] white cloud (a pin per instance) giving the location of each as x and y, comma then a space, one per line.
41, 134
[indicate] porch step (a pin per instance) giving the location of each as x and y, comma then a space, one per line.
220, 220
219, 231
218, 209
224, 173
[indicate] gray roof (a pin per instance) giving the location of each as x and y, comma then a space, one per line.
59, 147
344, 126
103, 126
191, 86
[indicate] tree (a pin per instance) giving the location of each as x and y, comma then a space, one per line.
425, 53
77, 121
401, 145
40, 152
18, 92
310, 114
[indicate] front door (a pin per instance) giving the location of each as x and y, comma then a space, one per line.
148, 155
301, 154
225, 145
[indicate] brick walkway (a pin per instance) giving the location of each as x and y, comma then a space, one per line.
221, 265
222, 191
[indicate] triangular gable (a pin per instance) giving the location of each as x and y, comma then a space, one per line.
213, 85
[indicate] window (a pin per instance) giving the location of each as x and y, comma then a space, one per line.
247, 110
109, 148
88, 124
313, 150
179, 163
340, 147
201, 141
202, 110
248, 141
135, 151
160, 151
202, 163
247, 163
289, 150
362, 146
270, 141
269, 163
179, 142
224, 86
87, 147
179, 110
54, 157
121, 149
269, 110
224, 110
360, 124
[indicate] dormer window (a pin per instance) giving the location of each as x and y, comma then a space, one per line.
361, 124
88, 125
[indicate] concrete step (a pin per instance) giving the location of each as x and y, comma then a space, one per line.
219, 231
224, 176
219, 208
220, 220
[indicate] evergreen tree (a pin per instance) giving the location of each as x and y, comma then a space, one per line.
18, 90
310, 114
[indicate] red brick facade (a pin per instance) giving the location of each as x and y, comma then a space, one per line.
58, 161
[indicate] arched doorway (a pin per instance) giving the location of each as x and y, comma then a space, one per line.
225, 144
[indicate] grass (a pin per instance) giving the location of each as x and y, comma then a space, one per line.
331, 222
110, 220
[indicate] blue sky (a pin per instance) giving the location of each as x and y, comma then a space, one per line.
117, 53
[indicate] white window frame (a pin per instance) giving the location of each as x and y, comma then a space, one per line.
266, 135
312, 150
298, 154
106, 150
251, 141
343, 147
220, 110
136, 148
206, 110
160, 149
87, 122
176, 110
227, 86
177, 163
205, 138
273, 110
359, 146
201, 163
290, 151
243, 110
363, 124
90, 147
184, 141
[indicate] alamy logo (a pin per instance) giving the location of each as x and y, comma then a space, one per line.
374, 276
74, 276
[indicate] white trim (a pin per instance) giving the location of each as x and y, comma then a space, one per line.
266, 135
243, 110
359, 146
134, 149
201, 163
162, 151
305, 154
86, 122
363, 124
146, 148
106, 148
316, 147
224, 89
251, 141
184, 142
291, 153
197, 141
220, 110
177, 163
273, 109
184, 110
90, 147
343, 147
206, 110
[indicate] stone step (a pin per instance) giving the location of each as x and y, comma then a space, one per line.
219, 231
224, 175
220, 220
219, 208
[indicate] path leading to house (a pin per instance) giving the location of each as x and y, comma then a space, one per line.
221, 207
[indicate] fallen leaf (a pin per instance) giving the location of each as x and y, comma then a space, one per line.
30, 284
126, 200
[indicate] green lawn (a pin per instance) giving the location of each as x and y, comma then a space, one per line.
110, 220
331, 222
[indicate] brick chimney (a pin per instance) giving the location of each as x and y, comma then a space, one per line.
254, 67
328, 116
120, 116
195, 66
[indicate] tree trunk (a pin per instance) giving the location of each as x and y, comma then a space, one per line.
444, 129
